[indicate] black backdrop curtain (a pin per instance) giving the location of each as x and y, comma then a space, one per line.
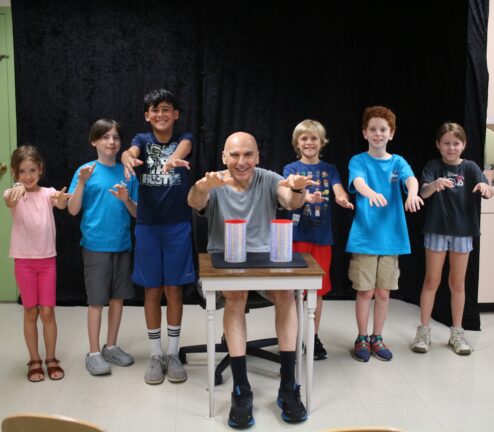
255, 67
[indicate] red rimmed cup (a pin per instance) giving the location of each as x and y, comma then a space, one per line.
281, 240
235, 238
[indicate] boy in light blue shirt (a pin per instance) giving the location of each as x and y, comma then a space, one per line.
379, 232
106, 242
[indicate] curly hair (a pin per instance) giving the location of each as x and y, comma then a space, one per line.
379, 112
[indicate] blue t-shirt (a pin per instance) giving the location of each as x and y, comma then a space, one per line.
105, 223
379, 230
162, 197
312, 222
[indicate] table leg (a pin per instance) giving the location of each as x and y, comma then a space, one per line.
210, 309
311, 309
300, 315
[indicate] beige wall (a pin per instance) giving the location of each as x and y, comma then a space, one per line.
490, 63
5, 3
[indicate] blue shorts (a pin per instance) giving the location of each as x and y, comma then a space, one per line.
163, 255
443, 243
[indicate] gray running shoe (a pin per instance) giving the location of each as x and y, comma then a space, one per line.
459, 341
174, 369
97, 365
422, 339
117, 356
155, 373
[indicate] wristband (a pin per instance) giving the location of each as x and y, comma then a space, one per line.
297, 190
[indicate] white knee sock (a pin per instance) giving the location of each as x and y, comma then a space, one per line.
173, 339
155, 341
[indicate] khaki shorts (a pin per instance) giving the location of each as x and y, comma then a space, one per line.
374, 271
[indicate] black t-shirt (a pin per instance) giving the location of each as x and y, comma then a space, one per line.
453, 211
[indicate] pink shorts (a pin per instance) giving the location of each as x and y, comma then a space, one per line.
322, 255
37, 280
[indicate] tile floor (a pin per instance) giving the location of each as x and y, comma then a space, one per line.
436, 392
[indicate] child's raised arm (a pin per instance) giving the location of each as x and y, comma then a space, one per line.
437, 185
121, 192
14, 194
341, 197
60, 198
375, 199
75, 200
485, 190
130, 160
413, 202
177, 159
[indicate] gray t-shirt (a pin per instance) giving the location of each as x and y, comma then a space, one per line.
257, 205
455, 211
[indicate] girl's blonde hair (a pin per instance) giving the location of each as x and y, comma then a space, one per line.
454, 128
23, 153
308, 126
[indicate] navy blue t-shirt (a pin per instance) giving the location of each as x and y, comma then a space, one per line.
312, 222
162, 197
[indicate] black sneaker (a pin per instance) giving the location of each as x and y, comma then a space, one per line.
292, 408
241, 411
319, 352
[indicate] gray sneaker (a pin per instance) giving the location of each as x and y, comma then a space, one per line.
459, 341
97, 365
155, 373
422, 339
117, 356
174, 369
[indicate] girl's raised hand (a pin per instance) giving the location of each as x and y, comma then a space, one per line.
60, 198
442, 183
60, 195
17, 192
85, 173
484, 189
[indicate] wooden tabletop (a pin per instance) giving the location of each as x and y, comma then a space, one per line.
206, 269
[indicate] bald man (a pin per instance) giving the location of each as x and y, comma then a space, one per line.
243, 191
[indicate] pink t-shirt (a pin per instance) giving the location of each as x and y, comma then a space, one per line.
33, 227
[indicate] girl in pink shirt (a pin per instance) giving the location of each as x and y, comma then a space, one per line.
32, 246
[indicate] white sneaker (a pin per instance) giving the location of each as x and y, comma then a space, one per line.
422, 339
459, 341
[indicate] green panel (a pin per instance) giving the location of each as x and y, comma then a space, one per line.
8, 139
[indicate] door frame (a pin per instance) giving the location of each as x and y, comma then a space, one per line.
8, 288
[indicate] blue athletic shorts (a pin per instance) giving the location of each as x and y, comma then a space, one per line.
163, 255
443, 243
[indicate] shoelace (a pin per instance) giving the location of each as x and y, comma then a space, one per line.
459, 339
378, 345
155, 361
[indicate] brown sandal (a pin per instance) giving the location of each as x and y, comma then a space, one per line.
32, 372
52, 370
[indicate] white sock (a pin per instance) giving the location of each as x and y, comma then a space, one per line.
154, 336
173, 338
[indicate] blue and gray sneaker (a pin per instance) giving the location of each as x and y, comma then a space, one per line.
241, 411
361, 351
379, 350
